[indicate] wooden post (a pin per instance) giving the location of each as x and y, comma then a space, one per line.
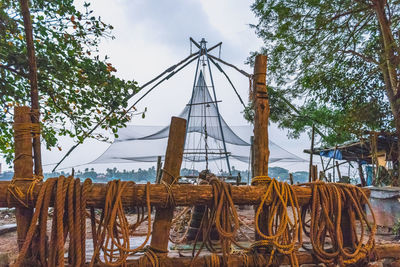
251, 157
314, 173
159, 171
23, 165
35, 114
261, 114
291, 178
338, 171
311, 153
172, 166
361, 173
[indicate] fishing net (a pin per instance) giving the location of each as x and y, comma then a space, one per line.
206, 133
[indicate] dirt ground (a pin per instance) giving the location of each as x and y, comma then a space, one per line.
9, 250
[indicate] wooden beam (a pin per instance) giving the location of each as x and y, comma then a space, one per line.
23, 168
184, 194
172, 167
382, 251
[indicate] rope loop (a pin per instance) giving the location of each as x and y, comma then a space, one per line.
113, 231
150, 254
15, 191
329, 202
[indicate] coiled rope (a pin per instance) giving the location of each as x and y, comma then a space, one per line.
111, 238
221, 213
22, 132
69, 220
283, 232
329, 200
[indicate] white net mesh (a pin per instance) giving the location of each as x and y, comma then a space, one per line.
204, 139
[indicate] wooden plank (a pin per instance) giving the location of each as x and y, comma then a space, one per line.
382, 251
172, 167
184, 194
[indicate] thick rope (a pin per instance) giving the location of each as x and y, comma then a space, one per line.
223, 215
113, 231
23, 131
180, 221
329, 200
283, 232
66, 222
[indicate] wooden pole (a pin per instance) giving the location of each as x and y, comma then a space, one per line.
35, 113
23, 165
311, 153
251, 157
184, 194
172, 166
361, 173
314, 172
158, 173
291, 178
261, 114
338, 171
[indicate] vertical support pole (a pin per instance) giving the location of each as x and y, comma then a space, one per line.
216, 106
291, 178
23, 165
311, 153
361, 173
251, 157
172, 166
261, 114
333, 164
158, 172
314, 172
35, 115
338, 171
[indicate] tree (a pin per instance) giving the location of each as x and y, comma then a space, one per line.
341, 58
77, 88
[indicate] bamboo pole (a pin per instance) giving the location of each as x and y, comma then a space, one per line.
172, 166
23, 165
35, 113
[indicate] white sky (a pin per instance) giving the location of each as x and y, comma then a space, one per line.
150, 36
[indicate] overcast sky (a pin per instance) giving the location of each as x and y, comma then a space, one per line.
150, 36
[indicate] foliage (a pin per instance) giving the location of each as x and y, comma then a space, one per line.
327, 58
77, 88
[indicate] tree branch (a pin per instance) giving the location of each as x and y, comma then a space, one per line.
14, 70
364, 57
